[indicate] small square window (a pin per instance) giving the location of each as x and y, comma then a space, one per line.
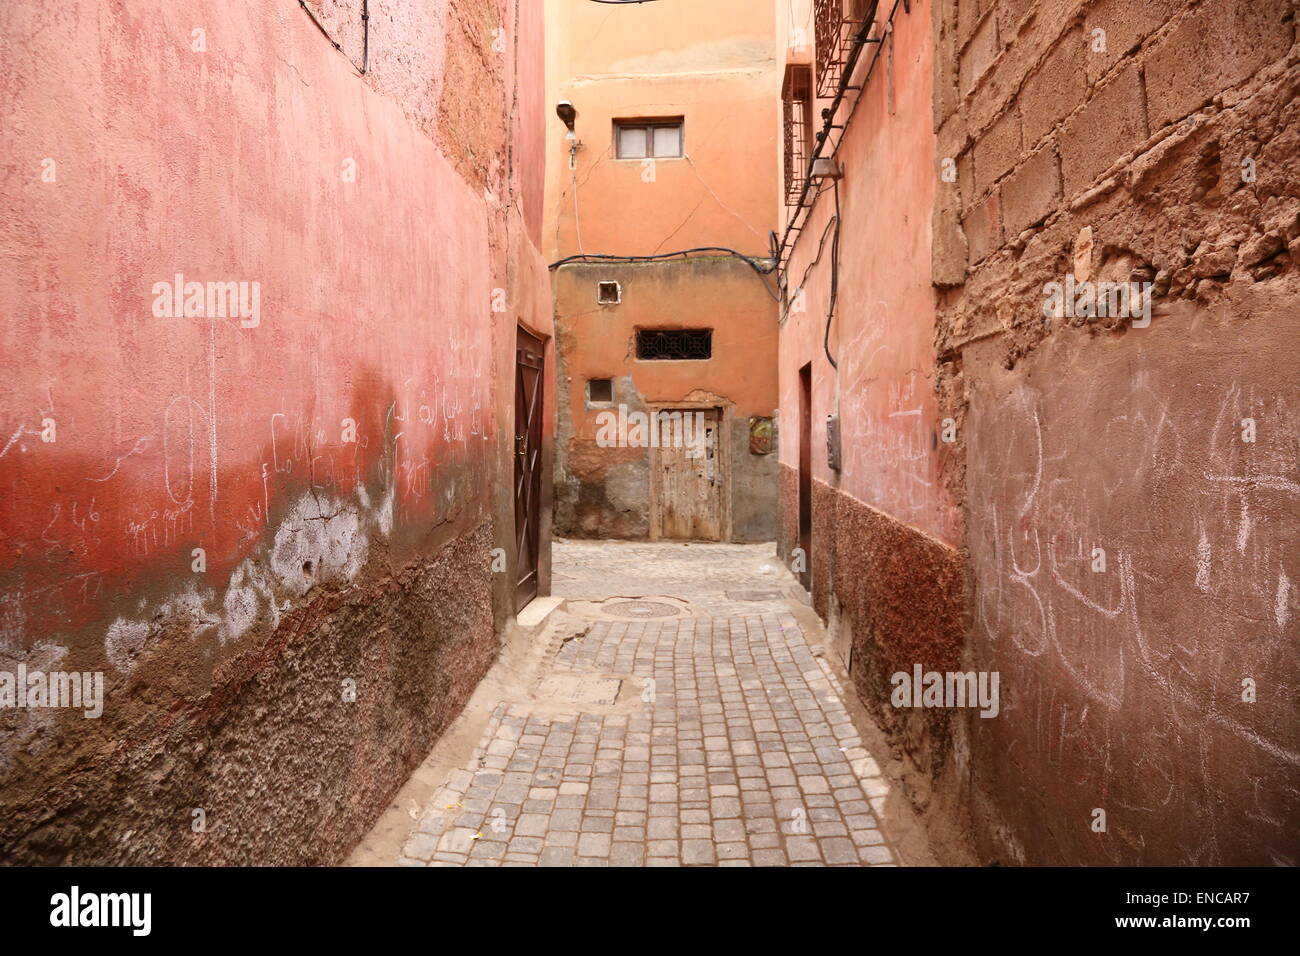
609, 293
649, 139
600, 390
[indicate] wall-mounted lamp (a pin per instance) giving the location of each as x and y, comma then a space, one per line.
568, 116
825, 167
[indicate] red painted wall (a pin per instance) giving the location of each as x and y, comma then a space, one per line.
393, 262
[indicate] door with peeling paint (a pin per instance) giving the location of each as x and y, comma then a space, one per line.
688, 476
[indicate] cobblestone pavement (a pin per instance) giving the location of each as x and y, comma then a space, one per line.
679, 717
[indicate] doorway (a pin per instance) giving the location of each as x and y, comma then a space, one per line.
530, 352
689, 480
805, 474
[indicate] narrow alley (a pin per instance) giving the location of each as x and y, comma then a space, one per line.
679, 707
649, 434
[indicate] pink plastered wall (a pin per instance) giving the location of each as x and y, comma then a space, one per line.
882, 335
356, 409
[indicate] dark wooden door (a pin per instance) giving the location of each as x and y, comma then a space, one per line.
805, 473
529, 356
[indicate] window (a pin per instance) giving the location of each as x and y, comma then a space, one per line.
670, 344
835, 24
828, 19
648, 139
797, 96
608, 293
600, 390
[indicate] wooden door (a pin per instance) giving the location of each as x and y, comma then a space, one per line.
689, 478
529, 356
805, 474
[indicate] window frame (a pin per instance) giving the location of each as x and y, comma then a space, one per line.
650, 123
799, 131
601, 284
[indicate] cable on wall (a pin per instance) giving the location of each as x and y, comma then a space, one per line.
365, 35
860, 40
761, 268
835, 279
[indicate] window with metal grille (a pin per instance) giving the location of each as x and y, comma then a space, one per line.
666, 344
797, 96
835, 24
648, 139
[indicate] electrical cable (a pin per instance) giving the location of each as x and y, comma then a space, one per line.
828, 123
365, 27
763, 271
835, 279
577, 226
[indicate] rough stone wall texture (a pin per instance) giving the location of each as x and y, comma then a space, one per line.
787, 509
343, 461
282, 769
1148, 142
900, 595
753, 486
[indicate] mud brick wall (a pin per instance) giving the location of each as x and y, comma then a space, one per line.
1126, 142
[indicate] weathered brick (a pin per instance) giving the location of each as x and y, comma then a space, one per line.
1032, 191
1112, 124
948, 251
1125, 24
968, 18
1221, 44
983, 228
1056, 90
1010, 13
946, 100
979, 54
997, 151
966, 180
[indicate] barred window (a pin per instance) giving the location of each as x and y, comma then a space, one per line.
835, 24
667, 344
797, 96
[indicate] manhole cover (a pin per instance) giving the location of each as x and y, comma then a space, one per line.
641, 609
580, 690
